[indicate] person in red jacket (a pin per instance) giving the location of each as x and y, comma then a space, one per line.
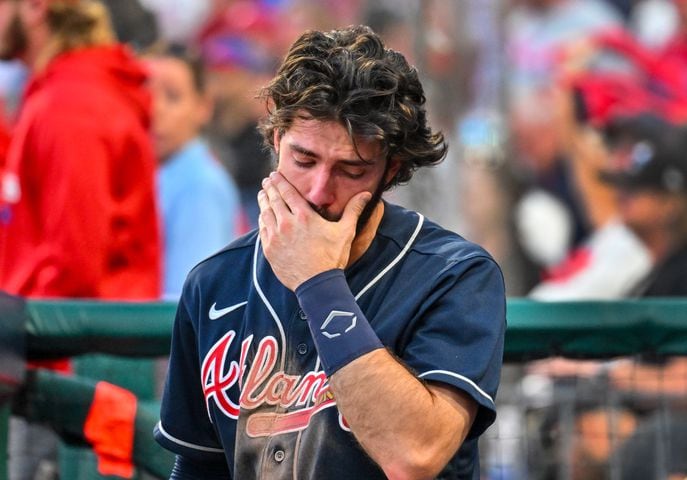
77, 203
77, 196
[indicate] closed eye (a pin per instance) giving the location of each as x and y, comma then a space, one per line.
353, 173
302, 162
351, 169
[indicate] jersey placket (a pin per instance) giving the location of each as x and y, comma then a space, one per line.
302, 356
280, 452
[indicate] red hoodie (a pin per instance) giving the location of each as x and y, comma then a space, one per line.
77, 202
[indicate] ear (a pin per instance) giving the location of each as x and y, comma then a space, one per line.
276, 139
392, 170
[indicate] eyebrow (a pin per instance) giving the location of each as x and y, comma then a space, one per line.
309, 153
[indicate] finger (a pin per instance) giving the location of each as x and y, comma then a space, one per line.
354, 207
275, 199
291, 197
267, 218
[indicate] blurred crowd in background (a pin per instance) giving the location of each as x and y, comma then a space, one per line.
565, 119
528, 92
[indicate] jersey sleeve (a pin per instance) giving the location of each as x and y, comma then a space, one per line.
459, 337
185, 427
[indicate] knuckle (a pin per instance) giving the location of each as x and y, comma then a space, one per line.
286, 228
300, 215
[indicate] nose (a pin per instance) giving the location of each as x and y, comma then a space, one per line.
321, 192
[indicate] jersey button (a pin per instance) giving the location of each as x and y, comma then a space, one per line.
302, 314
279, 456
302, 348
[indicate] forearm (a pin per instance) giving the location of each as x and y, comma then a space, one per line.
410, 430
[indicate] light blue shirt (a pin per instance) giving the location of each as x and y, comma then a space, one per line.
200, 208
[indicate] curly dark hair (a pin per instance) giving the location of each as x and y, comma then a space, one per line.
349, 76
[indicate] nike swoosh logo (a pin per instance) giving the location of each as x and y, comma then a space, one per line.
214, 314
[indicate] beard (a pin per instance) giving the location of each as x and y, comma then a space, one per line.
364, 215
370, 207
13, 42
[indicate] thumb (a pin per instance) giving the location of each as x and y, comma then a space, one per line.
355, 207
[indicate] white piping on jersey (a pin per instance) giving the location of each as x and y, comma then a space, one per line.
460, 377
398, 258
187, 444
268, 304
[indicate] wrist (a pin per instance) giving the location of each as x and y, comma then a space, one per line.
338, 326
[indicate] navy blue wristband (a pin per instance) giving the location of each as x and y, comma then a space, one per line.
338, 326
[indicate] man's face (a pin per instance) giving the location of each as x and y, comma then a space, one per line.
321, 162
12, 31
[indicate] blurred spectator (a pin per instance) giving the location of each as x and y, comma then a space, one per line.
650, 174
240, 44
538, 34
537, 31
77, 205
646, 82
78, 198
653, 82
607, 266
551, 199
637, 248
234, 136
656, 449
199, 202
619, 253
646, 166
615, 256
133, 24
651, 178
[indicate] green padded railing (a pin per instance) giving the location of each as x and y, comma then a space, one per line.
535, 329
66, 328
596, 329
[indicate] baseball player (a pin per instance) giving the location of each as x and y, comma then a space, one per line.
347, 337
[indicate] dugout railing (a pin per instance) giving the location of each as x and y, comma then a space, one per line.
141, 331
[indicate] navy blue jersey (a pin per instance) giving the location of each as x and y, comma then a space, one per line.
245, 380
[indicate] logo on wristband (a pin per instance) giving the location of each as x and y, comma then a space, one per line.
338, 323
